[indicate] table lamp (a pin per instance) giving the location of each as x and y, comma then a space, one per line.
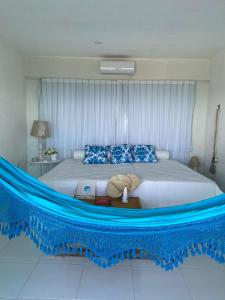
40, 129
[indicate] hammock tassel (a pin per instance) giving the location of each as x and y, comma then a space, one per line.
221, 259
134, 255
75, 248
122, 256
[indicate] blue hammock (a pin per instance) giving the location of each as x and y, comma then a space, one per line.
59, 224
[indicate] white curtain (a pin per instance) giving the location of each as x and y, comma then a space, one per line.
79, 112
160, 113
118, 111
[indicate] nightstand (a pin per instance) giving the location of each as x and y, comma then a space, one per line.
47, 162
133, 202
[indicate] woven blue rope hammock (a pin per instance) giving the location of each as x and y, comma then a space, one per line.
58, 224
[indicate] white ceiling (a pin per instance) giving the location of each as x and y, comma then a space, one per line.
140, 28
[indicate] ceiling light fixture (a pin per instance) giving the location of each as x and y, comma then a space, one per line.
97, 42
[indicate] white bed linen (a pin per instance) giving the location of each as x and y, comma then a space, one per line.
165, 183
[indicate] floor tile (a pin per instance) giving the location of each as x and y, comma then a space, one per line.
63, 259
201, 262
114, 283
58, 281
12, 277
157, 284
205, 284
40, 298
3, 241
125, 263
20, 249
80, 260
10, 298
143, 263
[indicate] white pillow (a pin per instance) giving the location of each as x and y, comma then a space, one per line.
162, 154
78, 154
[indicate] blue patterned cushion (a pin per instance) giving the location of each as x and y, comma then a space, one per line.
95, 155
121, 154
144, 154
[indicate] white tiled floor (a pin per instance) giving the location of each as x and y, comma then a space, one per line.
25, 273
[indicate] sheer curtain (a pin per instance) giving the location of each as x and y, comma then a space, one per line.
119, 111
160, 113
79, 112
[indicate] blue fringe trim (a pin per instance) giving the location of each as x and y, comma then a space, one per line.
167, 260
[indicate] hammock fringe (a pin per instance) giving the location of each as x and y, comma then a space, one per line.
36, 231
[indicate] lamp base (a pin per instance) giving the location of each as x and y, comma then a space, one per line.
40, 149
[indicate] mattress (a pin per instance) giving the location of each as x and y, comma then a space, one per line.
165, 183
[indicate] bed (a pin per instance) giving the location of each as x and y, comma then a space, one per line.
165, 183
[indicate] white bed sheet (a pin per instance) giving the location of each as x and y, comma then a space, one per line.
165, 183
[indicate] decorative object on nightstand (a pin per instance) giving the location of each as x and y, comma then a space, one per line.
125, 197
104, 201
52, 153
116, 184
194, 163
40, 129
85, 190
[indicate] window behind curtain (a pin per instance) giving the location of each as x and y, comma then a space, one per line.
118, 111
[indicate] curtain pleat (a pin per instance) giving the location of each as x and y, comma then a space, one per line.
119, 111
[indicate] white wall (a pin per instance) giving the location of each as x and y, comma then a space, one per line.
13, 142
158, 69
66, 67
199, 121
32, 97
216, 96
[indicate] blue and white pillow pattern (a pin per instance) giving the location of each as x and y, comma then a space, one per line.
95, 155
121, 154
144, 154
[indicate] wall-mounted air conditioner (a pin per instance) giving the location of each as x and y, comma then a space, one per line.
117, 67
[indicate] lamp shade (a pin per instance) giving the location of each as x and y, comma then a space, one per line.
194, 162
40, 129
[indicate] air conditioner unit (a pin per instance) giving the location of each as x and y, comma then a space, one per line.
117, 67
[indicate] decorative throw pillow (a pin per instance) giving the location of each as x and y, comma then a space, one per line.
144, 154
95, 155
121, 154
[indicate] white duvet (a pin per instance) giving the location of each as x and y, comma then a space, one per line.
165, 183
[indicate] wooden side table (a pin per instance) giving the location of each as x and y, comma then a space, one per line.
133, 202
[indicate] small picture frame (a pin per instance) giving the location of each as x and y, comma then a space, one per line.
85, 190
